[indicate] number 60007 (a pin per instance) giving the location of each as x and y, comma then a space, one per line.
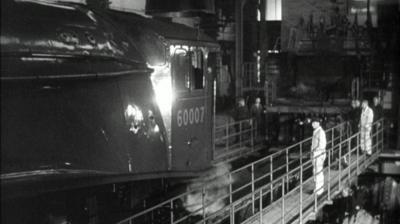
190, 116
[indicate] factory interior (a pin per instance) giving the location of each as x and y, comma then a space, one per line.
200, 111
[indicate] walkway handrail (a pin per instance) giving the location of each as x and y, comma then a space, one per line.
350, 172
335, 135
341, 128
234, 135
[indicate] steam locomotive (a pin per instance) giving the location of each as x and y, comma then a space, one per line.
92, 102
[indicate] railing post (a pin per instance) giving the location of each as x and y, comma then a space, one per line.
352, 149
271, 170
358, 153
252, 189
228, 138
329, 174
372, 137
240, 133
301, 195
203, 193
231, 200
287, 169
261, 207
378, 136
283, 201
348, 158
315, 202
340, 166
232, 213
301, 154
172, 212
230, 188
332, 140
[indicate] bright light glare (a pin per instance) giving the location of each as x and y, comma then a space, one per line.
130, 111
178, 49
134, 112
274, 10
164, 96
162, 83
156, 129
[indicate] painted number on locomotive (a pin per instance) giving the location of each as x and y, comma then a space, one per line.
190, 116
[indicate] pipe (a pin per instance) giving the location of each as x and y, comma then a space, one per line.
239, 4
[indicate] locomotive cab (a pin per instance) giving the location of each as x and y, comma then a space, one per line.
192, 108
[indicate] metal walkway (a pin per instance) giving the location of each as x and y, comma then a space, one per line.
275, 189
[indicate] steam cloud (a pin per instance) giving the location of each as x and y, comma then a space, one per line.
216, 190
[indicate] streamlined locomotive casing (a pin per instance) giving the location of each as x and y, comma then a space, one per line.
84, 92
90, 104
76, 97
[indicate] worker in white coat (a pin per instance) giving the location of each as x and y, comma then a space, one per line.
318, 155
367, 117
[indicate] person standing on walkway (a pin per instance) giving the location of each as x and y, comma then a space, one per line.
241, 111
241, 115
318, 154
367, 117
354, 116
258, 113
377, 109
354, 119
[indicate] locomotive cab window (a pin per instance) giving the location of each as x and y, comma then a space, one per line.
188, 70
198, 79
181, 72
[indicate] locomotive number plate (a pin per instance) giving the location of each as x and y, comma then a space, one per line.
190, 116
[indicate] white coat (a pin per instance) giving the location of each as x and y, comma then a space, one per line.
367, 117
318, 143
318, 149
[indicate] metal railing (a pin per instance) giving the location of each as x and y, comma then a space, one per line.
255, 188
339, 175
232, 137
